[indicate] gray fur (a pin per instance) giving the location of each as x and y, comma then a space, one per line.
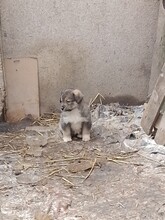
75, 117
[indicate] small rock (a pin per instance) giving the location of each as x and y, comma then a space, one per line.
41, 135
18, 169
144, 142
80, 166
34, 151
36, 140
124, 119
131, 136
42, 216
103, 111
27, 179
135, 127
161, 211
17, 172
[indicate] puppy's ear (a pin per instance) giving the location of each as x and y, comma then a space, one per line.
78, 95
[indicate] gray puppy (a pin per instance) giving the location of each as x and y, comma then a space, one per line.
75, 117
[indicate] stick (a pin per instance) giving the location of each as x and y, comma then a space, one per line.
65, 159
67, 181
90, 170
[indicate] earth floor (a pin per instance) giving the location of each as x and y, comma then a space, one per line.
118, 175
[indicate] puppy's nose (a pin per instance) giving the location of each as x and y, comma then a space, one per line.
62, 107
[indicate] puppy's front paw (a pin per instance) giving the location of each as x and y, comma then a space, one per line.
86, 137
67, 139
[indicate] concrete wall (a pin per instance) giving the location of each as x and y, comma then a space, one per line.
101, 46
159, 48
2, 92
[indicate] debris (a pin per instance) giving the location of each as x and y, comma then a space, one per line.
35, 151
91, 170
97, 175
97, 97
15, 127
79, 166
161, 210
48, 119
42, 135
131, 136
42, 216
36, 139
27, 179
18, 169
72, 184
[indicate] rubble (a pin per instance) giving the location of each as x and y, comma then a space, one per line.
119, 174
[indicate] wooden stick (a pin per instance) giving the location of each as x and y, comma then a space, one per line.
90, 170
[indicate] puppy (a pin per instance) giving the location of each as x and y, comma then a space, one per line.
75, 119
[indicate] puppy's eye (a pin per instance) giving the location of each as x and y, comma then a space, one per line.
60, 100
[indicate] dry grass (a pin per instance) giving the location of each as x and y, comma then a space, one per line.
97, 98
82, 162
61, 165
47, 119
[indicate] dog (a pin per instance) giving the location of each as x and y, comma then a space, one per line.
75, 118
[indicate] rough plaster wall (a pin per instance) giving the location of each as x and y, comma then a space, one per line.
159, 49
101, 46
1, 86
2, 93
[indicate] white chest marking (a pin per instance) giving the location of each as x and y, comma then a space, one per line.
75, 119
74, 116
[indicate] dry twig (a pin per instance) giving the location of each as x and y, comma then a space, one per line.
63, 178
90, 170
97, 96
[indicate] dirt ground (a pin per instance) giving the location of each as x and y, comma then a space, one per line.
119, 174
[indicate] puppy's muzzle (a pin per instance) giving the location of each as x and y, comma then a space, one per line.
62, 108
